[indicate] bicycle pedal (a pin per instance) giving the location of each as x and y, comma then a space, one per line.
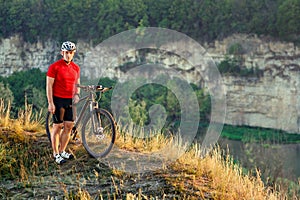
100, 136
76, 141
100, 130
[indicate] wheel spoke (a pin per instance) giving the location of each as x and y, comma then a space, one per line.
98, 135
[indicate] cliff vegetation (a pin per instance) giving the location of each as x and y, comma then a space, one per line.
95, 20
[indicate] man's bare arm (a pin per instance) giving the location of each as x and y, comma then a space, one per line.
49, 93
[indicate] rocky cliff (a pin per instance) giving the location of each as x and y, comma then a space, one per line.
271, 100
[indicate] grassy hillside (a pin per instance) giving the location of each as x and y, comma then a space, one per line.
29, 172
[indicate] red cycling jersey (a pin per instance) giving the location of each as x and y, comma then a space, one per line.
66, 76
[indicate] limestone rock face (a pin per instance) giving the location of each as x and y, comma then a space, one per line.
269, 103
271, 100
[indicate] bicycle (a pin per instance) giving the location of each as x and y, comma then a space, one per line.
98, 131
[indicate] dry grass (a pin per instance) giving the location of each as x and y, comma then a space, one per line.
30, 121
191, 176
4, 114
26, 121
226, 178
134, 139
215, 174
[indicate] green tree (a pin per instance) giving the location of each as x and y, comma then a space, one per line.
289, 19
184, 16
135, 13
138, 112
208, 13
263, 18
94, 20
158, 13
28, 82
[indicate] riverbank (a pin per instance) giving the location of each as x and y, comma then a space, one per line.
248, 134
275, 153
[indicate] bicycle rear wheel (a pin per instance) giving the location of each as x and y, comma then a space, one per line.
48, 125
98, 133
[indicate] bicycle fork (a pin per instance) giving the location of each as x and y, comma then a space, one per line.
96, 120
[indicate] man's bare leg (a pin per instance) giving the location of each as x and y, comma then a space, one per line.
65, 136
55, 137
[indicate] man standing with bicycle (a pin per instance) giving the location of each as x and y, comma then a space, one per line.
61, 80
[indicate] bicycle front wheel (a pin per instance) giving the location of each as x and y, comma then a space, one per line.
98, 133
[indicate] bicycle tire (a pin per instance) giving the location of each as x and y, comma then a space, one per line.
100, 142
48, 124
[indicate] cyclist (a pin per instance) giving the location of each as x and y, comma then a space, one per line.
61, 80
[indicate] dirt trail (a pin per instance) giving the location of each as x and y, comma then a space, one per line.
121, 174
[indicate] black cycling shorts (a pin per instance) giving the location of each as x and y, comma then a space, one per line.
63, 110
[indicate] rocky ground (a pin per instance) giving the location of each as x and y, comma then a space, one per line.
32, 174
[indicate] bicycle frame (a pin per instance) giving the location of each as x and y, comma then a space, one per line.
89, 101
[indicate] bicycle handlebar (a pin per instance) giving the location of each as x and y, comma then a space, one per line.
98, 88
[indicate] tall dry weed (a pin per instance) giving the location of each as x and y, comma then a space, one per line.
227, 178
4, 113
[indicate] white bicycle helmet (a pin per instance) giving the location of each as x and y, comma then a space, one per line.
68, 46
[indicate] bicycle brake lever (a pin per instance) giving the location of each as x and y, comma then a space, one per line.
99, 87
106, 89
